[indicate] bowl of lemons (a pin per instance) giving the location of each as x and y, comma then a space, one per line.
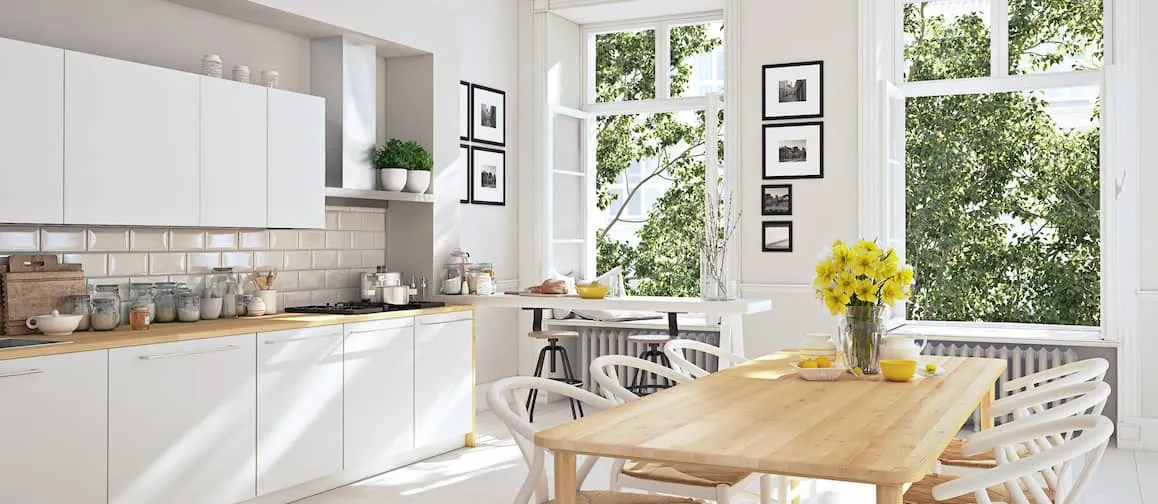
818, 369
593, 290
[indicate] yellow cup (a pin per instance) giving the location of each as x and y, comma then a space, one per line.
898, 370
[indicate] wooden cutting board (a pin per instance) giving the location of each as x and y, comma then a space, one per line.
35, 285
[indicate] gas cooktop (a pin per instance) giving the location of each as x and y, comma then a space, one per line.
359, 308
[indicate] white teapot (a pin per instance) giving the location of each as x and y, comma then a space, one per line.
901, 347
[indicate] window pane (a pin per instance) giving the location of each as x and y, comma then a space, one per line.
625, 66
1002, 207
697, 59
1055, 36
947, 39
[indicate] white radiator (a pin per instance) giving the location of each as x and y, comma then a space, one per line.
1023, 360
596, 342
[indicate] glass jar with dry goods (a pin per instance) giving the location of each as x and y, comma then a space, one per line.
141, 296
78, 304
218, 284
452, 279
106, 314
188, 305
480, 278
165, 298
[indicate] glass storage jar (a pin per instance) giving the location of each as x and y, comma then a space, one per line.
188, 306
79, 304
217, 286
165, 298
141, 296
480, 278
452, 279
106, 313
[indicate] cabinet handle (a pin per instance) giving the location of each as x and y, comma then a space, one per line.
306, 338
25, 372
190, 352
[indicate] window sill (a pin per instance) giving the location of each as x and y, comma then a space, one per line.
1016, 334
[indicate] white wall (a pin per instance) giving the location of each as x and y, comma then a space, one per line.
1148, 299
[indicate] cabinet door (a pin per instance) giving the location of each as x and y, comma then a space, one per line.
130, 143
299, 406
297, 160
233, 154
181, 422
443, 377
379, 392
52, 429
31, 133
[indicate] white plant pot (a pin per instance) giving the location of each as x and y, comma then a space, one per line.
417, 181
392, 179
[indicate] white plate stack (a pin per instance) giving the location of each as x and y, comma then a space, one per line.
241, 73
818, 345
211, 65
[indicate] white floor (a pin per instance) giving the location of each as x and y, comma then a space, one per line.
492, 473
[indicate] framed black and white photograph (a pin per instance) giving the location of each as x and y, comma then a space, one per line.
488, 176
778, 236
794, 90
793, 151
464, 155
488, 123
464, 109
776, 199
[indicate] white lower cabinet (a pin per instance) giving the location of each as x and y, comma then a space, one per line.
299, 406
379, 392
181, 422
443, 377
53, 420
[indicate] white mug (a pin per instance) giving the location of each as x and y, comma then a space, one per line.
269, 297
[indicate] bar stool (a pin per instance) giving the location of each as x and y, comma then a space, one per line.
554, 348
653, 352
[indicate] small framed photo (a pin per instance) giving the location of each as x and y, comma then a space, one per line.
489, 110
778, 236
464, 109
794, 90
488, 176
464, 155
776, 199
793, 151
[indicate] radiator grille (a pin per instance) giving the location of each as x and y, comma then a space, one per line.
595, 342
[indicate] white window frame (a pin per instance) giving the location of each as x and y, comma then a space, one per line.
882, 84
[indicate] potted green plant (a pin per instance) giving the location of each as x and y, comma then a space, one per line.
389, 159
418, 163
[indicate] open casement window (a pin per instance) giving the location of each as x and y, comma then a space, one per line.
570, 194
893, 162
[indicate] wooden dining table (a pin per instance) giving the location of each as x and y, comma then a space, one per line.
763, 418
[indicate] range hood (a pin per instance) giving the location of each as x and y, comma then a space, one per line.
343, 70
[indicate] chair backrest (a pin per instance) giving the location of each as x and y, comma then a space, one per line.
675, 348
604, 372
1074, 372
504, 401
1022, 476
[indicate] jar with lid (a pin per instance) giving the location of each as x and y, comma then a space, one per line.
78, 304
106, 307
452, 279
217, 285
188, 305
480, 278
141, 296
165, 299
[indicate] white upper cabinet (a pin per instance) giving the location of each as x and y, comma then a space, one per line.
31, 133
131, 143
297, 160
181, 422
52, 429
379, 392
443, 377
233, 154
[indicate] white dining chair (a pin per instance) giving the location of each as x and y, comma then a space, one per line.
701, 482
1023, 480
674, 350
504, 401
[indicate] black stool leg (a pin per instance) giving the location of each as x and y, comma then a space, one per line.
533, 395
569, 374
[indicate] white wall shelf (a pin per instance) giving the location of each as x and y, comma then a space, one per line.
367, 194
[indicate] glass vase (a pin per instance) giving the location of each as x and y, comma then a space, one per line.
861, 330
716, 289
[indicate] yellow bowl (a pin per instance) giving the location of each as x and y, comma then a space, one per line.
597, 291
898, 370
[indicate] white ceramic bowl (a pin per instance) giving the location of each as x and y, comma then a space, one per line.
820, 374
54, 324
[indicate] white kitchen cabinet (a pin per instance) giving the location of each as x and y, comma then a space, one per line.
443, 377
182, 422
299, 406
52, 429
31, 133
130, 143
379, 391
233, 154
297, 160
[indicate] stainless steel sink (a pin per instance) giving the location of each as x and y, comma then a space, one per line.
22, 342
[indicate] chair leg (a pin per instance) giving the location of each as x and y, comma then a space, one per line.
723, 494
765, 489
569, 374
533, 394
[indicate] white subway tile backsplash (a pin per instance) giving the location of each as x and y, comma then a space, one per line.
350, 259
95, 265
299, 298
372, 258
168, 263
326, 296
283, 239
338, 240
221, 240
19, 239
380, 241
374, 221
268, 259
350, 221
363, 240
311, 280
250, 240
325, 259
149, 240
331, 220
312, 239
286, 281
239, 261
186, 239
202, 262
108, 239
337, 279
128, 264
298, 260
54, 239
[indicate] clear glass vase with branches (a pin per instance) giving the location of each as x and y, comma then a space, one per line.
721, 221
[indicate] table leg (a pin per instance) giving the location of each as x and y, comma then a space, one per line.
566, 488
673, 327
986, 408
537, 321
890, 494
732, 335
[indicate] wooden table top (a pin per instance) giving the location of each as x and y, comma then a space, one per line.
761, 417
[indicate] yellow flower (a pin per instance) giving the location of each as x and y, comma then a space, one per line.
905, 276
841, 254
866, 291
892, 257
892, 292
861, 264
835, 301
845, 284
885, 269
866, 247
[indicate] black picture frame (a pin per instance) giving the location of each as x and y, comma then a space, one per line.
497, 115
474, 192
765, 210
769, 115
818, 173
464, 150
774, 225
465, 114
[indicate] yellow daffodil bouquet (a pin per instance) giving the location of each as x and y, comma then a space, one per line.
861, 275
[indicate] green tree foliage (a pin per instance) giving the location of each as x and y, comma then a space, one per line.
666, 259
1002, 203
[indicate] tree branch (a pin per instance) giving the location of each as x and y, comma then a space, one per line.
631, 194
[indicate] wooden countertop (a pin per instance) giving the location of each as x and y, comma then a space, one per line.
178, 331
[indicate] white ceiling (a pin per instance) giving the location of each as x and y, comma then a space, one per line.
603, 11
